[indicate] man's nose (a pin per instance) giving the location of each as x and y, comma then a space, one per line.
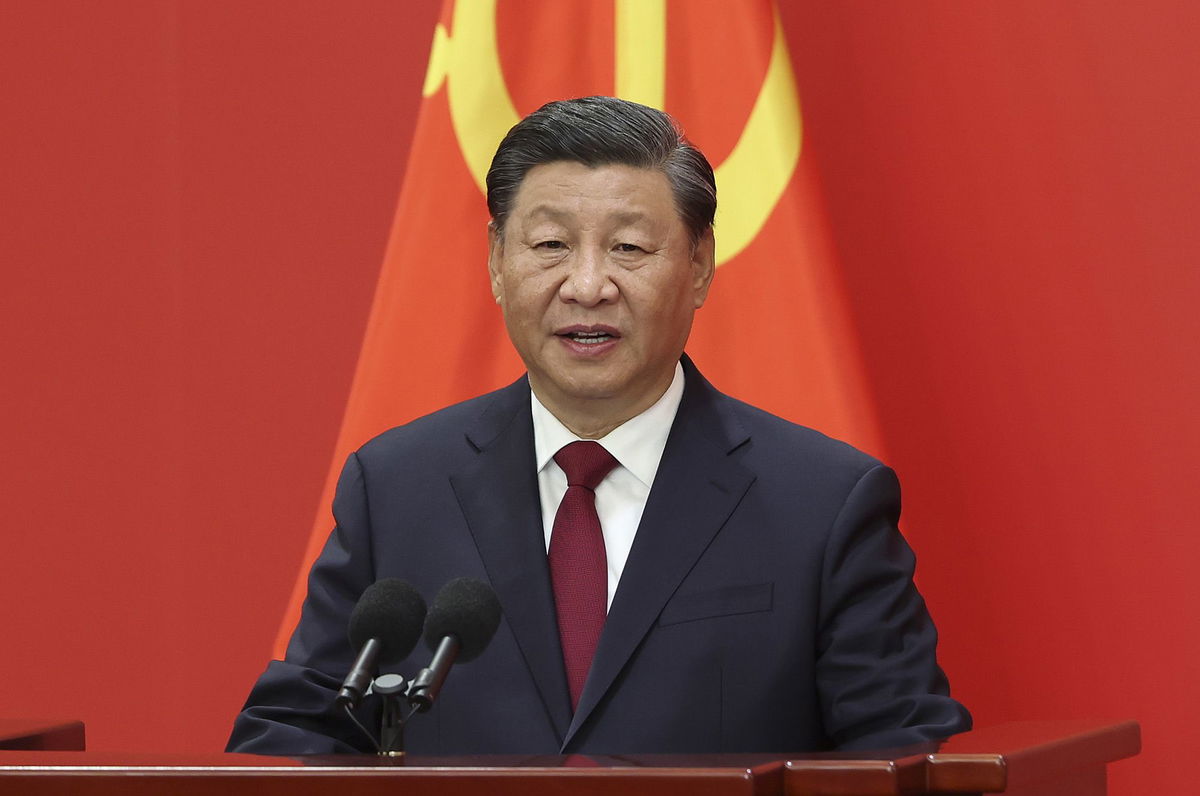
589, 279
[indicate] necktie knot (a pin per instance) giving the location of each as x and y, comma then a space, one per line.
586, 463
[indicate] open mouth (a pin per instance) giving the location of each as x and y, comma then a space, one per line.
589, 338
588, 335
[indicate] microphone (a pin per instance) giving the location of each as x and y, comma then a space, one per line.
461, 623
384, 628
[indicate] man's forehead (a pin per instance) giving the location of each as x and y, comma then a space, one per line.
563, 190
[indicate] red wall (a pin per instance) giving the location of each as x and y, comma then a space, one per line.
1014, 190
196, 197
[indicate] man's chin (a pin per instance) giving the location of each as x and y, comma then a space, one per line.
588, 390
579, 386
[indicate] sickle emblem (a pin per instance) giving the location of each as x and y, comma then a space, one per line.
756, 172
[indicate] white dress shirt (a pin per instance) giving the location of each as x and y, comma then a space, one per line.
637, 444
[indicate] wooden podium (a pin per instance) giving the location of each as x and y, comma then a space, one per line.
1022, 759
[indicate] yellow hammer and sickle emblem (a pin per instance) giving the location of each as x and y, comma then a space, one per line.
756, 172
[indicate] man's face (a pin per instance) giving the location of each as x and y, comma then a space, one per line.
598, 281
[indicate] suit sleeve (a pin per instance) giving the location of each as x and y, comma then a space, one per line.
877, 673
291, 710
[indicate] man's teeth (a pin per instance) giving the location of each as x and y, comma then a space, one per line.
590, 338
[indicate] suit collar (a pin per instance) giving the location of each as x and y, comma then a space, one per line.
498, 495
637, 443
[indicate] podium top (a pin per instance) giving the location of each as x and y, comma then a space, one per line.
1009, 758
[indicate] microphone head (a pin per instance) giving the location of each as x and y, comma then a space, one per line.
392, 611
467, 609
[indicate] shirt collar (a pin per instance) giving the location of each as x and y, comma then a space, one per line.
637, 444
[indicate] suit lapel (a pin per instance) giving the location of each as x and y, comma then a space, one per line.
498, 494
696, 489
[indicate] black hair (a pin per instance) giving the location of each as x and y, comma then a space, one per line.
604, 131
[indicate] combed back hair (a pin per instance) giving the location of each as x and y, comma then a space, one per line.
604, 131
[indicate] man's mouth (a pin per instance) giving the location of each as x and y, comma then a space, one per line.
589, 338
589, 335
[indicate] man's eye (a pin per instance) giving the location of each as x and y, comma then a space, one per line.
628, 247
552, 245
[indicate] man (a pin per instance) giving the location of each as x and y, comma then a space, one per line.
719, 580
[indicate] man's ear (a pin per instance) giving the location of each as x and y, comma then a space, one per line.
704, 266
495, 249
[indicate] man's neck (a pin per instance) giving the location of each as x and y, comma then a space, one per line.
592, 421
595, 418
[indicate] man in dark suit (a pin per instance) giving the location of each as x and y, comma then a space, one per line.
678, 571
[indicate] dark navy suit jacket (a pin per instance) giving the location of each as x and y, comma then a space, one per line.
767, 604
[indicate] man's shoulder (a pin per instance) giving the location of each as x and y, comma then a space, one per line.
762, 434
801, 468
451, 428
773, 429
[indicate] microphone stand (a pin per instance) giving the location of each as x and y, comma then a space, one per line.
393, 689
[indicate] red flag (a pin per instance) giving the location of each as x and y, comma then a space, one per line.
775, 330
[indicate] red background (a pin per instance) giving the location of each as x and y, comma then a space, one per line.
196, 196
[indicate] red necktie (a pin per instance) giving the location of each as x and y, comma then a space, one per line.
578, 565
